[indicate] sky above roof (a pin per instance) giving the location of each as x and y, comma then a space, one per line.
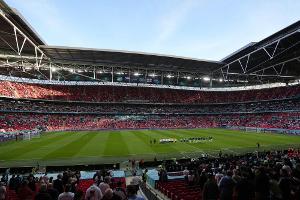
203, 29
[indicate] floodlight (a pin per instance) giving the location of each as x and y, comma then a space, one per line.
28, 67
206, 78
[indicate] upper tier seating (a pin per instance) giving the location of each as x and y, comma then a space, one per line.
122, 94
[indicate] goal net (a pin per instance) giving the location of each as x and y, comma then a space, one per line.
253, 129
28, 135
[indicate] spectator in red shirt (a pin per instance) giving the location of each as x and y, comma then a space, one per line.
25, 193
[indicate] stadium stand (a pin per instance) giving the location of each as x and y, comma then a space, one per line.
20, 121
29, 187
123, 94
16, 105
50, 103
28, 109
261, 175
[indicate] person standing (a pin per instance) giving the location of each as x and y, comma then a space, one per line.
132, 193
186, 172
261, 184
285, 185
58, 184
93, 192
67, 195
25, 193
226, 186
210, 188
144, 176
2, 191
52, 191
43, 194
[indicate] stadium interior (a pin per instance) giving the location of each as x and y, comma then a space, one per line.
46, 90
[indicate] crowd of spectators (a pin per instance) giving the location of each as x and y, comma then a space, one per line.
10, 122
122, 108
123, 94
67, 186
44, 187
266, 175
273, 175
166, 108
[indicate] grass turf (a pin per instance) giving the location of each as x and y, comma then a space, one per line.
95, 147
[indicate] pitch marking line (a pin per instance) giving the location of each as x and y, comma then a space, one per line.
226, 149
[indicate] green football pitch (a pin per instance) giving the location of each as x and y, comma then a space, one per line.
99, 147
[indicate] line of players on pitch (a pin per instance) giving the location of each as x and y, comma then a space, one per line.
186, 140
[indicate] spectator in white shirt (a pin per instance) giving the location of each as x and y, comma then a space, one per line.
2, 191
67, 195
93, 192
104, 185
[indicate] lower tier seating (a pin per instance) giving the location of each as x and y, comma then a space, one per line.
10, 122
179, 190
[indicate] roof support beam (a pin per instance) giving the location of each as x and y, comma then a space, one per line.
276, 71
22, 46
267, 53
242, 67
262, 63
16, 29
227, 71
17, 41
275, 48
262, 74
286, 61
247, 62
7, 43
224, 78
263, 48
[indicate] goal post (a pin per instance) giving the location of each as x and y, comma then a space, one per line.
30, 134
253, 129
26, 135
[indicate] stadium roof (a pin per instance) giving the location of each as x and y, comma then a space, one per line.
255, 45
19, 21
129, 58
275, 58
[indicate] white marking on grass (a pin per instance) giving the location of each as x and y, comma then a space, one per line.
192, 154
230, 150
